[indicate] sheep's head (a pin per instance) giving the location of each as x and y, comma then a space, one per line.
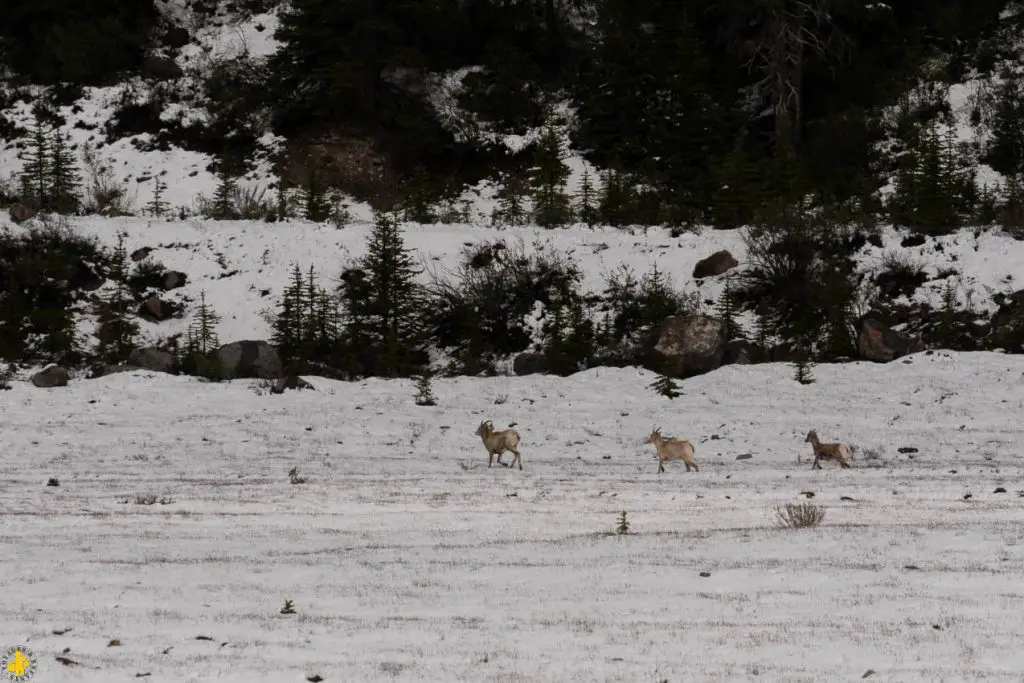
655, 435
812, 436
485, 428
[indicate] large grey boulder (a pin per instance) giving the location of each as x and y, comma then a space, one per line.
689, 345
878, 342
50, 377
249, 358
154, 359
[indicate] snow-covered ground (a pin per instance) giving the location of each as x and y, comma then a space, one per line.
407, 559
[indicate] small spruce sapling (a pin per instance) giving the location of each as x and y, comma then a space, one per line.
425, 391
289, 607
622, 528
666, 386
295, 477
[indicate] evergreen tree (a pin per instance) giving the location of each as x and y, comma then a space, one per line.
117, 331
1005, 153
727, 311
547, 180
290, 323
223, 197
36, 172
586, 200
201, 341
935, 186
511, 204
316, 204
386, 305
65, 178
616, 198
425, 391
666, 386
157, 206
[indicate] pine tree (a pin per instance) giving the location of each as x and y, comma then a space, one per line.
65, 178
935, 185
727, 312
315, 202
547, 180
290, 322
425, 391
511, 202
666, 386
36, 172
157, 206
388, 307
223, 204
616, 198
201, 340
586, 200
117, 331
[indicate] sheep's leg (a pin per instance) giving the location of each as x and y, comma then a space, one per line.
501, 453
517, 459
842, 462
490, 458
816, 465
695, 468
661, 466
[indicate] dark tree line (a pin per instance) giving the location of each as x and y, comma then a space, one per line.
709, 105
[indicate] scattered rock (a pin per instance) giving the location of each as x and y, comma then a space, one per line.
154, 359
155, 310
314, 678
529, 363
705, 574
161, 68
689, 345
61, 631
140, 254
176, 37
290, 382
745, 456
807, 494
66, 661
868, 673
912, 567
968, 496
877, 342
907, 449
1000, 490
52, 376
53, 481
716, 264
20, 213
914, 240
203, 638
847, 498
174, 279
249, 358
114, 643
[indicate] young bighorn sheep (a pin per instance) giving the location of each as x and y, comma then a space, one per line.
672, 449
497, 443
839, 452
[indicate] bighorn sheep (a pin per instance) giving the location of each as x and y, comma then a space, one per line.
839, 452
672, 449
497, 443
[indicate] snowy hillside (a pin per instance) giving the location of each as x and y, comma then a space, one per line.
243, 266
172, 537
